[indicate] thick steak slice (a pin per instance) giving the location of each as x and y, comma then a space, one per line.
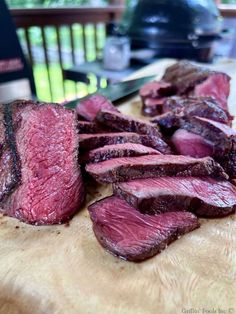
156, 89
130, 168
89, 107
2, 129
153, 106
167, 121
10, 168
177, 108
203, 196
46, 142
118, 150
189, 144
221, 135
85, 127
190, 79
124, 123
130, 235
92, 141
206, 107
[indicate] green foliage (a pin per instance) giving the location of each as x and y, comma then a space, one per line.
47, 3
229, 1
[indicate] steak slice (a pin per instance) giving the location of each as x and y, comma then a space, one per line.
44, 140
189, 144
206, 107
153, 106
86, 127
167, 121
222, 137
118, 150
92, 141
89, 107
2, 130
124, 123
10, 168
220, 134
130, 168
177, 108
190, 79
132, 236
206, 197
156, 89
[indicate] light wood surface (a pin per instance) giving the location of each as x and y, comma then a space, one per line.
63, 269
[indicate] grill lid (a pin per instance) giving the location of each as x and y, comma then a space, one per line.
174, 21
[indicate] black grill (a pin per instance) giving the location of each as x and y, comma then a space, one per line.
176, 28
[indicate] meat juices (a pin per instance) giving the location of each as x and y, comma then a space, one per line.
41, 158
126, 233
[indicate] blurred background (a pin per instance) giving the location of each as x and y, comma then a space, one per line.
59, 34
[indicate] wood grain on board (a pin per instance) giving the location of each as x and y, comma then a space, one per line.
63, 269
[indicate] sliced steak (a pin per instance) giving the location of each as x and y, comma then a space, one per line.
10, 168
43, 147
130, 235
222, 137
153, 95
86, 127
92, 141
167, 122
124, 123
2, 130
153, 106
129, 168
118, 150
189, 144
206, 197
190, 79
206, 107
156, 89
89, 107
177, 108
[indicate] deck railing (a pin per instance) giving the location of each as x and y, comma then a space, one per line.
56, 38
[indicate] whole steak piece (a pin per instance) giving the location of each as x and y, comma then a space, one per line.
130, 168
41, 143
190, 79
116, 151
206, 197
89, 107
132, 236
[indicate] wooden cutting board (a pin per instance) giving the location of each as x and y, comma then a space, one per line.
63, 269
